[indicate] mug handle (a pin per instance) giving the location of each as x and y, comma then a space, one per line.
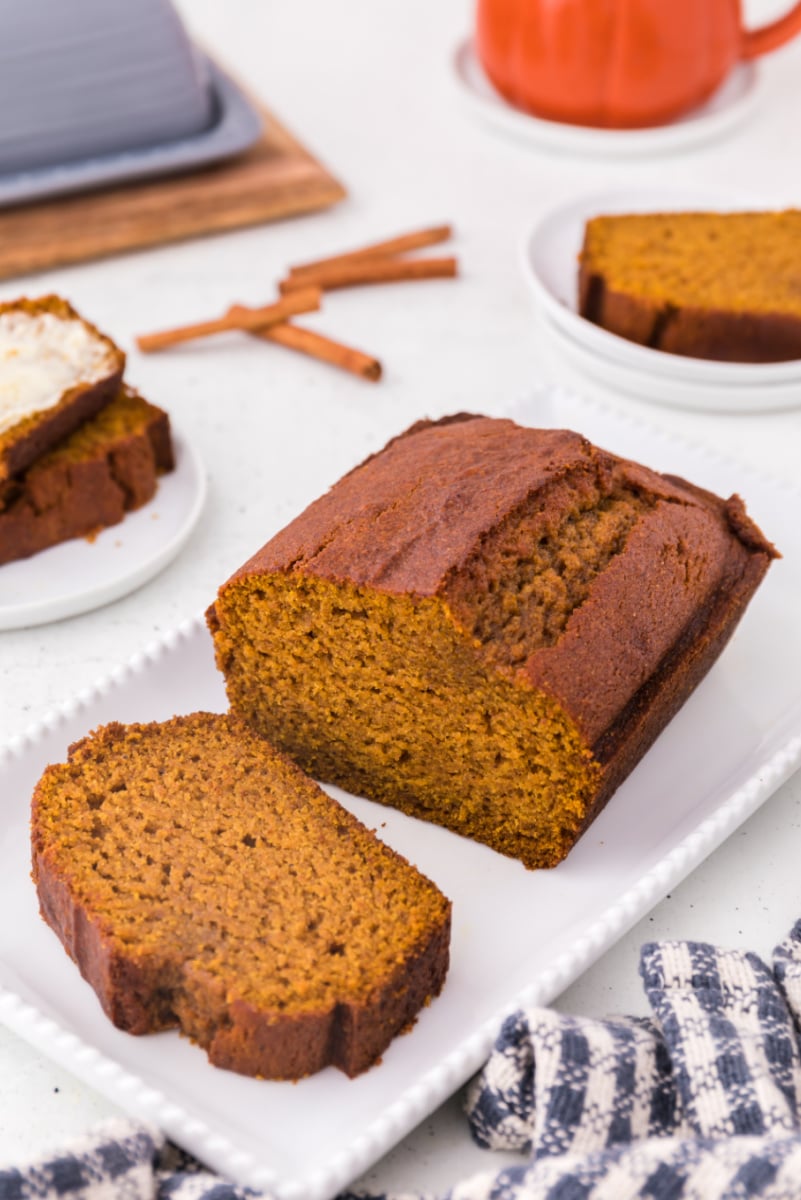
770, 37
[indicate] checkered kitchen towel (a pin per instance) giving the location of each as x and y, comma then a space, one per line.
701, 1103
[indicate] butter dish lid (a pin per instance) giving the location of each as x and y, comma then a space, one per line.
237, 125
94, 77
94, 92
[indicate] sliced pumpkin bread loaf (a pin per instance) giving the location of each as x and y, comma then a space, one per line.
105, 468
56, 371
200, 879
486, 626
723, 286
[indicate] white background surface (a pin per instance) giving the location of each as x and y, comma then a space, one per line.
367, 85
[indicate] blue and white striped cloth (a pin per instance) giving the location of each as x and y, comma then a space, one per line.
703, 1102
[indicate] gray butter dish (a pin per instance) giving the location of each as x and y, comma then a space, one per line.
95, 92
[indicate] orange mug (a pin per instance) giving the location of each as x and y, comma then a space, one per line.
617, 63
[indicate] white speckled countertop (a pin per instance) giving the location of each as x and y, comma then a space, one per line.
368, 87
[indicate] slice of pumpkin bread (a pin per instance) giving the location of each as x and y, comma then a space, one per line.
107, 467
723, 286
56, 371
486, 626
199, 879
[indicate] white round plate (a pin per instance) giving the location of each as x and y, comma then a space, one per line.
728, 107
80, 575
658, 388
550, 263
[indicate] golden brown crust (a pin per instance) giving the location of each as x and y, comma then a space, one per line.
107, 468
147, 983
665, 581
412, 514
34, 435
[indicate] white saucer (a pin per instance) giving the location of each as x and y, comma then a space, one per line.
658, 388
80, 575
550, 263
727, 107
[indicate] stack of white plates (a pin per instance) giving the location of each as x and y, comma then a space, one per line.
550, 262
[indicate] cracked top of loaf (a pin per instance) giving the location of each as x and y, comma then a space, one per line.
578, 572
411, 516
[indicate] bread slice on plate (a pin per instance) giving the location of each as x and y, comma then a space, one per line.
107, 467
714, 285
56, 370
199, 879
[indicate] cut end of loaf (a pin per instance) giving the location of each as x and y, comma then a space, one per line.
384, 696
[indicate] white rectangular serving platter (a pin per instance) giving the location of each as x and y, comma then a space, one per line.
518, 936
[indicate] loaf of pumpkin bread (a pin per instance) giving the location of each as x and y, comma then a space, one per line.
199, 879
486, 626
723, 286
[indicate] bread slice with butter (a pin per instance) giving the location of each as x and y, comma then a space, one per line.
56, 371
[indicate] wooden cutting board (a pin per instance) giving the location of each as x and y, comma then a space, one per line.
275, 178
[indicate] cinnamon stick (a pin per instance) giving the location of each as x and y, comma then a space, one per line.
397, 245
315, 345
305, 299
371, 270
